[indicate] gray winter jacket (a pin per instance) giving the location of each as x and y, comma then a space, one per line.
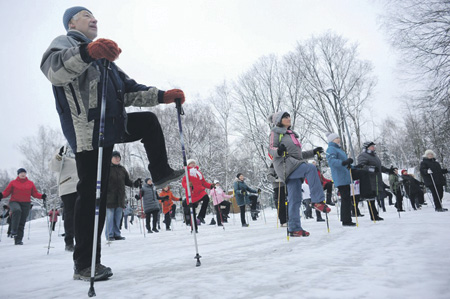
295, 156
150, 198
77, 86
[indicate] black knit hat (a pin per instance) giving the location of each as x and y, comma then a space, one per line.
238, 175
116, 154
20, 170
368, 143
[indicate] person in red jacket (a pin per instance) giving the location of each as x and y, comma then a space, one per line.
327, 185
21, 189
167, 205
198, 184
53, 214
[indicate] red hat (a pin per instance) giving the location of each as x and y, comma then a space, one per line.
404, 171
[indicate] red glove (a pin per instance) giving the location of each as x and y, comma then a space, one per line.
104, 48
171, 95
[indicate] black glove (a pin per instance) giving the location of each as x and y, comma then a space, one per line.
318, 150
165, 198
137, 197
281, 149
44, 196
376, 170
444, 170
5, 207
213, 186
347, 162
259, 190
137, 183
359, 166
1, 195
61, 151
243, 192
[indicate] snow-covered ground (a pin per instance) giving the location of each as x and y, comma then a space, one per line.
396, 258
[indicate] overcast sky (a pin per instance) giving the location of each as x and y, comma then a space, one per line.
192, 45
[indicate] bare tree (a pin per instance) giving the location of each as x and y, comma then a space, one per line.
38, 150
222, 103
329, 63
259, 93
420, 30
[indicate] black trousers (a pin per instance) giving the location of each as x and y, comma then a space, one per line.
372, 205
168, 218
204, 207
148, 214
220, 213
202, 214
20, 211
68, 213
437, 197
253, 202
242, 209
85, 205
357, 201
398, 200
389, 194
281, 206
346, 203
329, 187
145, 126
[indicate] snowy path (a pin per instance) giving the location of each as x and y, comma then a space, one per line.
397, 258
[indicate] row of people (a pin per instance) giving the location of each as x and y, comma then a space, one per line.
290, 169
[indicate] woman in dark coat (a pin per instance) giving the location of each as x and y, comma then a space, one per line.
241, 191
368, 160
434, 179
413, 189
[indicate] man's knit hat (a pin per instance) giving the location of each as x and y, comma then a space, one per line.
20, 170
70, 12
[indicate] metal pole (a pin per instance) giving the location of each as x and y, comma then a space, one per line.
101, 139
188, 200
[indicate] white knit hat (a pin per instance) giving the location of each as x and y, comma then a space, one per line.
331, 136
190, 161
428, 151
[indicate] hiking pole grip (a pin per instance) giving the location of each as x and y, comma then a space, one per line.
178, 106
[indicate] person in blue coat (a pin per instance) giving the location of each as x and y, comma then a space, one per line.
340, 165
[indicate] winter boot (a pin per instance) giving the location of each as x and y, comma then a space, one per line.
245, 225
155, 230
322, 207
299, 233
174, 176
348, 224
101, 273
70, 248
213, 222
441, 210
